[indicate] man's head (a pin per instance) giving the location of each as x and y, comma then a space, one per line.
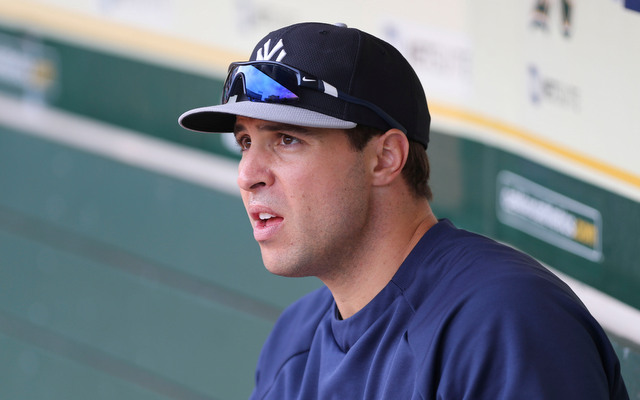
328, 118
324, 76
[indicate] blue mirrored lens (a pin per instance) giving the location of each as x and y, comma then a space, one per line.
257, 86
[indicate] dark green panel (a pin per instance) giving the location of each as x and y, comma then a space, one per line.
104, 208
629, 356
145, 271
465, 180
140, 96
29, 372
173, 334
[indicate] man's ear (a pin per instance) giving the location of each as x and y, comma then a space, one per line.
392, 150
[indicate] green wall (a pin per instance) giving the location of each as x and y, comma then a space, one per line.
125, 281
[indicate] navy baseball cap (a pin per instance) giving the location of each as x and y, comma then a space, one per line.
324, 76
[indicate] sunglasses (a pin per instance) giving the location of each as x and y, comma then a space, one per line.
272, 82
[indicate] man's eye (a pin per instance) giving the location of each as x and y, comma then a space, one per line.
244, 142
288, 140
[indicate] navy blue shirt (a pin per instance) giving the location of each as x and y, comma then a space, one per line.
463, 318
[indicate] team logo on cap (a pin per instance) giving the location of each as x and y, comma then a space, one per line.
268, 53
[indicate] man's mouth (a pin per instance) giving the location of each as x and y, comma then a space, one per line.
267, 219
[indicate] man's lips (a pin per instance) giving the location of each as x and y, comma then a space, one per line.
265, 224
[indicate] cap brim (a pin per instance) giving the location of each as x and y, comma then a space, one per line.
221, 118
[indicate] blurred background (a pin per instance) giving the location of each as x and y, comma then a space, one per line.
127, 265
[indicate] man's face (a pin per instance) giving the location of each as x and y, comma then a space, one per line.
307, 193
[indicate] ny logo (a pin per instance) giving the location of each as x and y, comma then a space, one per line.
268, 54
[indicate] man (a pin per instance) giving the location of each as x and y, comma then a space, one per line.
333, 125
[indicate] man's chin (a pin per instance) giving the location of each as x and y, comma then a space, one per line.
284, 270
286, 273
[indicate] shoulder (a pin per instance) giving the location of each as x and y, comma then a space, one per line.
499, 322
448, 248
527, 332
474, 279
450, 266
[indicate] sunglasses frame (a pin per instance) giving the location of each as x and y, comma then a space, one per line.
303, 80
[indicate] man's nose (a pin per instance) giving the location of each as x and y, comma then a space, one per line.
254, 171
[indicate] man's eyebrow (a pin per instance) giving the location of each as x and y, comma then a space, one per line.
273, 127
237, 128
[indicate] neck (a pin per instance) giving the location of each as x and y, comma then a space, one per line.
379, 257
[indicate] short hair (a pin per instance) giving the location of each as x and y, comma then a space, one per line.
415, 171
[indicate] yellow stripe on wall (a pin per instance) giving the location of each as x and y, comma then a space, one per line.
532, 139
83, 27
